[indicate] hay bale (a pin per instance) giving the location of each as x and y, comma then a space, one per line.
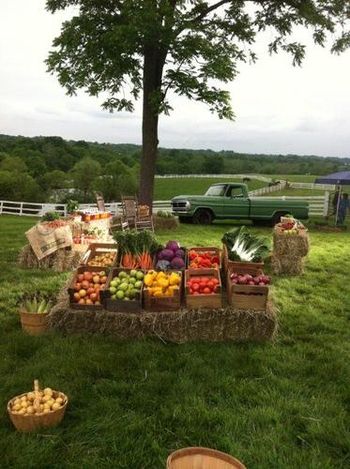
287, 265
296, 245
60, 261
165, 223
179, 327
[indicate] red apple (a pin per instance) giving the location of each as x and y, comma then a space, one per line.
76, 296
85, 284
93, 296
81, 301
88, 276
96, 279
77, 286
80, 277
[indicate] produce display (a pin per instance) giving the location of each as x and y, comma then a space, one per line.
247, 279
203, 259
37, 403
244, 246
87, 287
162, 284
136, 248
290, 227
105, 259
171, 257
203, 285
127, 285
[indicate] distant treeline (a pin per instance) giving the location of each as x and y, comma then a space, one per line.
41, 167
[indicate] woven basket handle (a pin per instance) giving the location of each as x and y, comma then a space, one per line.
36, 404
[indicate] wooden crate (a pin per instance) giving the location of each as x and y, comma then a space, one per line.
167, 303
246, 296
252, 268
214, 251
96, 249
81, 269
212, 301
121, 306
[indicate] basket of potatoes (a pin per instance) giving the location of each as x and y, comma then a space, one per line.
37, 409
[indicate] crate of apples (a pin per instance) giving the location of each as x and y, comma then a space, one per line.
87, 285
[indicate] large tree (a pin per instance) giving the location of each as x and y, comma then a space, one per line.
119, 49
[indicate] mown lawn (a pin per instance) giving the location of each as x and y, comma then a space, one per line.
167, 188
279, 405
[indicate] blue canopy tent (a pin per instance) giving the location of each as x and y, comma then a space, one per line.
339, 179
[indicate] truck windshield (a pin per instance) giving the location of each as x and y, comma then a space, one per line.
216, 190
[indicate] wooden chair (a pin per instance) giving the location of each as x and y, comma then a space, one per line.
100, 201
144, 219
129, 207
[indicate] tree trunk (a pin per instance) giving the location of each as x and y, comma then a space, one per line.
152, 77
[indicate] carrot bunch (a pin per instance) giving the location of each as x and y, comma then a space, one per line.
138, 261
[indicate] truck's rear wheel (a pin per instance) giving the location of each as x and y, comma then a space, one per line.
203, 217
276, 218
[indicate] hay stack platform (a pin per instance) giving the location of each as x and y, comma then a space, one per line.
219, 325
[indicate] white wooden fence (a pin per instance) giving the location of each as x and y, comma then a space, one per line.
318, 206
268, 189
258, 177
32, 209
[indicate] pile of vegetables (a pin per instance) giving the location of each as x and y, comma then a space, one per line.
244, 246
136, 248
203, 260
247, 279
105, 259
162, 284
171, 257
203, 285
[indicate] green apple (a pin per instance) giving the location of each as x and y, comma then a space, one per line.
123, 286
122, 274
115, 282
132, 280
112, 290
139, 275
120, 294
133, 273
138, 284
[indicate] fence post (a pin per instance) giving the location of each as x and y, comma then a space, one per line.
21, 208
326, 204
1, 204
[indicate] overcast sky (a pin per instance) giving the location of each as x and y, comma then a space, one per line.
279, 108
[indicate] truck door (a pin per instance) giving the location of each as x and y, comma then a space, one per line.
235, 203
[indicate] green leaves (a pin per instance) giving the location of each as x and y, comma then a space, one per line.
195, 45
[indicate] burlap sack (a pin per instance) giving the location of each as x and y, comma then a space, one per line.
45, 240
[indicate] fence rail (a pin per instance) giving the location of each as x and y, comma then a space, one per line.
258, 177
318, 205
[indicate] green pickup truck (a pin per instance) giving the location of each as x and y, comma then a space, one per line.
231, 201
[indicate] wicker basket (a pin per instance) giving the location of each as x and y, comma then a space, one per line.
31, 423
202, 458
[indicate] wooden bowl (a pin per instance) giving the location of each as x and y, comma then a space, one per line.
202, 458
30, 423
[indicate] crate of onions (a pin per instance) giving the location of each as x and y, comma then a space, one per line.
247, 291
37, 409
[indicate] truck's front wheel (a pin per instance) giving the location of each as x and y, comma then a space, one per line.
203, 217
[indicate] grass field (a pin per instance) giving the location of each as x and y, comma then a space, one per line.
165, 189
280, 405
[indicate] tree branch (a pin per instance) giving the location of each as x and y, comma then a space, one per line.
208, 10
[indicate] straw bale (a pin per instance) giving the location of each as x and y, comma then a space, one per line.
165, 223
287, 265
182, 326
59, 261
295, 245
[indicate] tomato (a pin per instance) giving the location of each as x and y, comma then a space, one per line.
215, 281
210, 284
196, 293
206, 291
195, 287
202, 284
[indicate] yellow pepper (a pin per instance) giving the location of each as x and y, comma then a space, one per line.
174, 279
